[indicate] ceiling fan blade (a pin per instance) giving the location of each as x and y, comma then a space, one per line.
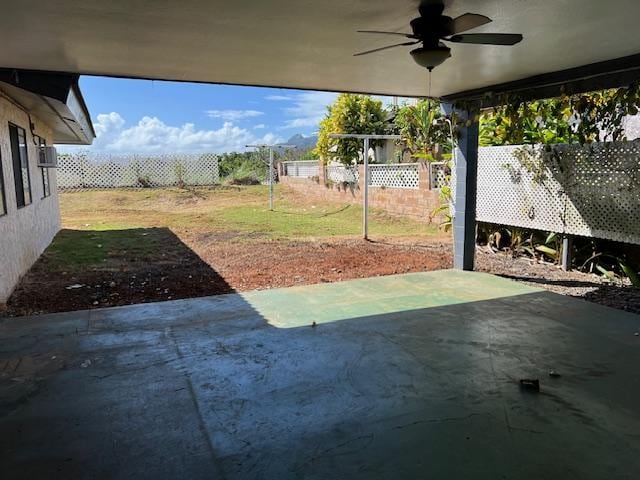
487, 38
467, 22
408, 35
385, 48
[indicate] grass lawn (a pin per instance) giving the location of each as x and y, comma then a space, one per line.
224, 209
129, 246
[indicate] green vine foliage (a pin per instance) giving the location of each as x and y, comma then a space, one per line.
580, 118
350, 113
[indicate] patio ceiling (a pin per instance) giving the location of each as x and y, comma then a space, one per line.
308, 44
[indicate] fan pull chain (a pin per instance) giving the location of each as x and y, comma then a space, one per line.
429, 84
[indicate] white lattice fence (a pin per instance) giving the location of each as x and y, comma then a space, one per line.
438, 172
398, 175
339, 173
590, 191
80, 171
301, 168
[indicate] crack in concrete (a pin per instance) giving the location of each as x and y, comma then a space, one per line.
440, 420
328, 451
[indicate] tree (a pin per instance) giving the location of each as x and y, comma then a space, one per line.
423, 128
350, 114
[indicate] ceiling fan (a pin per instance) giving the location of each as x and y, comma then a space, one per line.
432, 27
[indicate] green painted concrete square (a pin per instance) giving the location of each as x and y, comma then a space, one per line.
330, 302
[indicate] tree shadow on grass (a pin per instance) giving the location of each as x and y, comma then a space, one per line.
85, 269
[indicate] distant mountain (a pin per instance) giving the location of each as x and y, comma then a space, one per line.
302, 141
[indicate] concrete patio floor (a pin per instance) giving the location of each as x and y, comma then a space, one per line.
409, 376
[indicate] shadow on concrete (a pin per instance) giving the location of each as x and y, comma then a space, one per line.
85, 269
546, 281
247, 386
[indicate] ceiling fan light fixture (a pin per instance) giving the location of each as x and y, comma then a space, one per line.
430, 58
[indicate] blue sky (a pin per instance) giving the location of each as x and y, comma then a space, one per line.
154, 116
144, 116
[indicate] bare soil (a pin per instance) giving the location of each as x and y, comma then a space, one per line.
587, 286
216, 264
202, 264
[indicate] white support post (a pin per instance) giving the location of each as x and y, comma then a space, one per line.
365, 197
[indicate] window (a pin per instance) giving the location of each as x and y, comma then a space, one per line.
18, 138
46, 189
3, 202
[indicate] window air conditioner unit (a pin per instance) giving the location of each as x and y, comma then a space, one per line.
48, 157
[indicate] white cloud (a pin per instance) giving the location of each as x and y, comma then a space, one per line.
278, 98
233, 115
152, 135
107, 126
308, 109
259, 126
271, 139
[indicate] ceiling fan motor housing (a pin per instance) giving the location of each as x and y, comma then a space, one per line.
430, 27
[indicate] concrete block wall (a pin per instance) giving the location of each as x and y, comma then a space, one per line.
415, 203
24, 232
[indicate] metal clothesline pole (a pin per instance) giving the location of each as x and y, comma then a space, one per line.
365, 197
271, 179
271, 148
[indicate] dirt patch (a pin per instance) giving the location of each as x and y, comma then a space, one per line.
139, 265
194, 264
271, 264
593, 288
113, 268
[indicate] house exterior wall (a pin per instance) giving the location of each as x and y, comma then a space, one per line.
418, 203
24, 232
